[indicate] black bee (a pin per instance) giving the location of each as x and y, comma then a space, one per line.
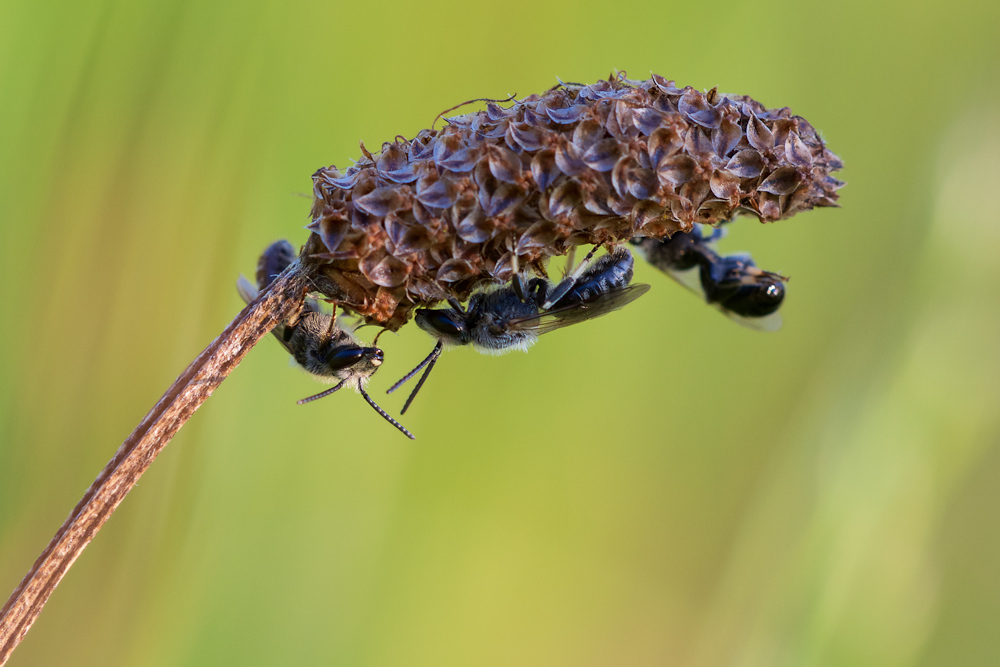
732, 283
513, 316
315, 341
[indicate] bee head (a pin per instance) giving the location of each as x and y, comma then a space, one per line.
447, 325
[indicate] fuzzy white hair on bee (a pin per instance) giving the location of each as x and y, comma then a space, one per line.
493, 348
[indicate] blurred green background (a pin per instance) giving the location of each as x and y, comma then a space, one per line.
658, 487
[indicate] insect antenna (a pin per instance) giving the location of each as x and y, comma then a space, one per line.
423, 378
429, 362
435, 352
322, 394
385, 415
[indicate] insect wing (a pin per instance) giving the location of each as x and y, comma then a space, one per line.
558, 318
767, 323
247, 291
689, 279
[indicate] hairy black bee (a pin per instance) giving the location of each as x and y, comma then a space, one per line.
732, 283
314, 339
513, 316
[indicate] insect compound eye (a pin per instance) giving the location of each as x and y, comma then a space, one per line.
441, 324
758, 300
343, 357
772, 296
376, 355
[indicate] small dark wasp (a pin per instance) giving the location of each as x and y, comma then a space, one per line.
732, 283
314, 339
513, 316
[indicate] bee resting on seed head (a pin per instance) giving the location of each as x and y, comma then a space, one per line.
434, 217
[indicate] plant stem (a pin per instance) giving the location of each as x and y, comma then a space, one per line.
139, 450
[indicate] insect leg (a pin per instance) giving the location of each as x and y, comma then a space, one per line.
303, 308
717, 233
566, 284
385, 415
520, 287
570, 260
332, 329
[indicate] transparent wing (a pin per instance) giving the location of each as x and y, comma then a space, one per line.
550, 320
246, 289
767, 323
691, 281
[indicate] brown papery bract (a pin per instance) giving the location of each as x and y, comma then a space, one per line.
496, 190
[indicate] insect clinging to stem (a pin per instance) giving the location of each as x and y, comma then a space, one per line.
314, 339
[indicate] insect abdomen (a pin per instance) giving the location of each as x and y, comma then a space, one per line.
612, 271
273, 261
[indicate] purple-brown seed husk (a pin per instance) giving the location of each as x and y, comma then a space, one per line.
434, 217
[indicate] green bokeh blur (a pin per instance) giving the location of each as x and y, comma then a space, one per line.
657, 487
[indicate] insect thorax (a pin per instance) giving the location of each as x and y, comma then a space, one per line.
490, 315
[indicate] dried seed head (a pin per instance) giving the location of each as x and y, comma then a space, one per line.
433, 217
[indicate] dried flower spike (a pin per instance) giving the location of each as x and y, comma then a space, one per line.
433, 217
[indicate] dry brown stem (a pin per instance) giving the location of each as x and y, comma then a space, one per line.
139, 450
